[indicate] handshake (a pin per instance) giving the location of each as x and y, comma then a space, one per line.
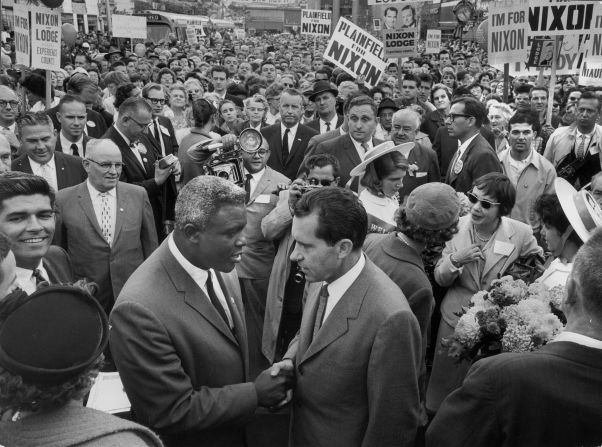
274, 385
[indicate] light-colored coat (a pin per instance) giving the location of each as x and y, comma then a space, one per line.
562, 142
357, 381
183, 370
78, 232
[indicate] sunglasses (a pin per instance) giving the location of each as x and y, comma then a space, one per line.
315, 182
486, 204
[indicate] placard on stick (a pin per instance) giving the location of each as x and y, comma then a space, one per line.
133, 27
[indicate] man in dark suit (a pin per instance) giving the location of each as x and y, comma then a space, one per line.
423, 161
38, 142
106, 251
350, 149
549, 397
288, 139
191, 382
82, 87
71, 115
324, 95
140, 157
161, 130
27, 219
357, 354
474, 157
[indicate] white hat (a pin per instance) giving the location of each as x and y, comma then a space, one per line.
580, 208
378, 151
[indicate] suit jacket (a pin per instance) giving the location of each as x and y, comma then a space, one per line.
69, 169
465, 283
550, 397
478, 159
290, 166
258, 254
96, 125
168, 136
162, 197
78, 231
317, 139
59, 146
425, 160
58, 265
343, 149
357, 381
446, 147
182, 368
315, 124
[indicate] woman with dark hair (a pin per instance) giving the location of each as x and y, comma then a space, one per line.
166, 77
486, 245
122, 93
381, 174
562, 241
377, 95
43, 379
441, 99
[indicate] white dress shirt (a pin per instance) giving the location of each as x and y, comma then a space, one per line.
47, 171
199, 276
580, 339
381, 207
292, 131
587, 144
66, 144
26, 281
333, 124
339, 286
360, 149
127, 141
255, 178
97, 204
461, 149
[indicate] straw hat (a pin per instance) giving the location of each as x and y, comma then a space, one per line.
580, 208
378, 151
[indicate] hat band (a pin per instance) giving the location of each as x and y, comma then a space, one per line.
584, 213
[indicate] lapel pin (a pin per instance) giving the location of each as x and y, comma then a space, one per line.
121, 209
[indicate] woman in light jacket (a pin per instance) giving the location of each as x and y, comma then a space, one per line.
486, 244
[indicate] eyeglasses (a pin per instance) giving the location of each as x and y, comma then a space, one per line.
453, 116
260, 152
143, 125
486, 204
107, 165
157, 100
315, 182
13, 104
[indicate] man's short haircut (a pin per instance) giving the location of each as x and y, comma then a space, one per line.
267, 62
425, 78
33, 119
410, 113
340, 215
134, 105
350, 97
202, 111
201, 199
525, 118
152, 86
218, 69
539, 88
523, 88
274, 90
412, 77
473, 108
97, 143
590, 95
14, 184
320, 161
118, 63
78, 84
587, 272
293, 92
391, 8
362, 100
69, 99
116, 77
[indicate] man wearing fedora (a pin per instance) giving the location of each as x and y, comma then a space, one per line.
386, 109
113, 55
324, 95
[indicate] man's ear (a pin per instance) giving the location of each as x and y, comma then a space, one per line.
345, 247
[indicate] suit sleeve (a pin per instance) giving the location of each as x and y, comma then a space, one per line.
487, 162
161, 392
392, 383
148, 232
468, 416
60, 231
275, 224
434, 174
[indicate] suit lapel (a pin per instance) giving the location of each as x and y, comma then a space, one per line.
351, 152
85, 202
120, 206
132, 161
264, 183
451, 174
61, 173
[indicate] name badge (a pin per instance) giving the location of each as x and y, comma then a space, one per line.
503, 248
91, 124
263, 198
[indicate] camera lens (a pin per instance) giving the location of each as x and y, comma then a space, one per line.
224, 175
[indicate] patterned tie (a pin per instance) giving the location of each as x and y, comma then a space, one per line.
105, 217
365, 147
327, 127
322, 300
214, 299
285, 150
581, 149
248, 187
74, 149
46, 172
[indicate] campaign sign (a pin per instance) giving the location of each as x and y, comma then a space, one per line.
315, 22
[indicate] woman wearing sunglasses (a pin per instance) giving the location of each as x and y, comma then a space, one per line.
486, 245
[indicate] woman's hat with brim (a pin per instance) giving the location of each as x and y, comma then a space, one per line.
380, 150
52, 335
580, 208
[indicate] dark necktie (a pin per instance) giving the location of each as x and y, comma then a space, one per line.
322, 300
327, 127
74, 149
39, 278
215, 300
285, 146
248, 187
156, 129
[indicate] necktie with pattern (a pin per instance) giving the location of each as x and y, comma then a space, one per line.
365, 147
328, 127
46, 172
285, 150
215, 300
322, 301
105, 217
74, 149
581, 149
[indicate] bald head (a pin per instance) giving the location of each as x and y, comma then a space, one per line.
103, 164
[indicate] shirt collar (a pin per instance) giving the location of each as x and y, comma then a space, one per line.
579, 339
198, 275
333, 122
291, 130
66, 143
340, 285
463, 146
95, 192
358, 145
257, 176
33, 163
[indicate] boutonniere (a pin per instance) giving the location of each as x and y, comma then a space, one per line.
141, 148
412, 169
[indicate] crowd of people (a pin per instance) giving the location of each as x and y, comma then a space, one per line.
307, 278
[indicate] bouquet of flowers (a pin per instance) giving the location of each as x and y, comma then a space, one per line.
511, 317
